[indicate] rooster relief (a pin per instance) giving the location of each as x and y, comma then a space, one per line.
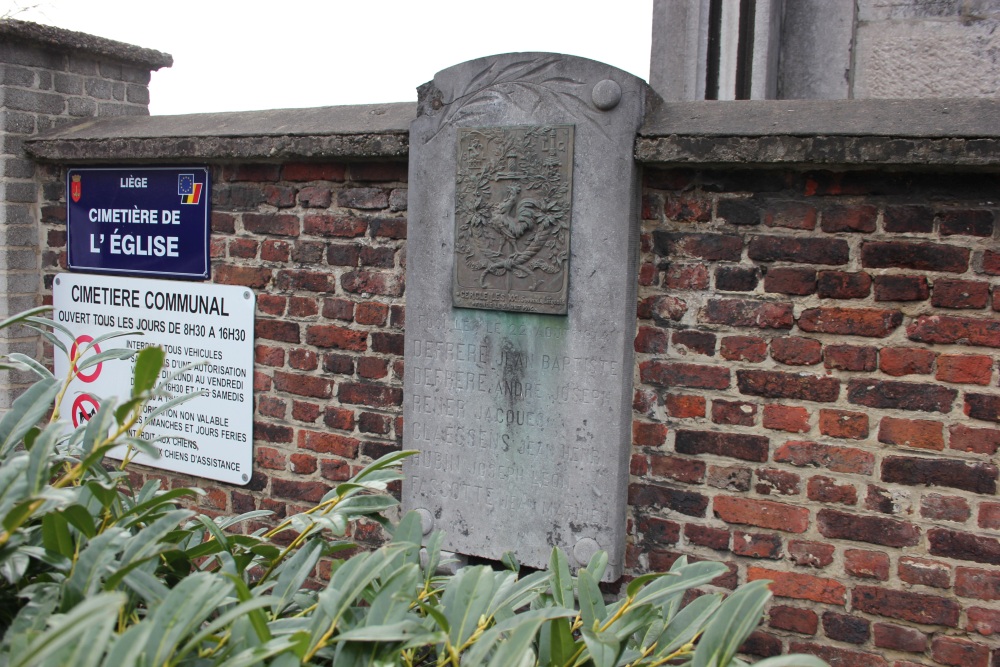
512, 217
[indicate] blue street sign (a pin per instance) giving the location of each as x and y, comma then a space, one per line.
149, 221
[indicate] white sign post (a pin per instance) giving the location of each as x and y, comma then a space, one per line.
209, 436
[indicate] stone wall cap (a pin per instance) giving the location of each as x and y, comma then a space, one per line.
352, 131
926, 118
61, 39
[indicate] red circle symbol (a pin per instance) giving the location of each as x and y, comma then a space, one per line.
84, 407
83, 340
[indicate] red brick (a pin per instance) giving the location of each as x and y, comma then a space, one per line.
247, 276
800, 586
387, 343
371, 312
689, 471
827, 490
924, 572
648, 274
960, 294
684, 407
372, 282
269, 356
738, 211
370, 422
736, 278
373, 368
843, 424
967, 222
377, 396
271, 224
272, 459
274, 250
243, 248
703, 536
686, 208
313, 171
901, 288
846, 628
849, 219
952, 473
757, 545
379, 171
303, 491
333, 336
304, 411
802, 250
899, 361
743, 348
662, 309
338, 309
899, 638
984, 621
328, 443
978, 440
791, 215
303, 385
983, 406
810, 554
363, 198
299, 306
964, 546
659, 531
796, 351
900, 396
959, 652
918, 256
648, 435
843, 285
989, 516
734, 445
840, 657
920, 433
741, 313
338, 418
975, 583
734, 413
651, 340
279, 196
269, 406
866, 564
875, 323
251, 172
882, 500
833, 458
674, 374
379, 257
774, 384
303, 464
788, 418
270, 304
311, 281
650, 495
908, 219
761, 513
850, 357
780, 481
991, 263
945, 330
906, 606
793, 619
388, 228
687, 276
965, 369
887, 532
302, 359
787, 280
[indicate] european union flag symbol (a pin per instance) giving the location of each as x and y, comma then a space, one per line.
185, 184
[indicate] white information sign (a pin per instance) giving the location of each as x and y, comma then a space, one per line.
210, 435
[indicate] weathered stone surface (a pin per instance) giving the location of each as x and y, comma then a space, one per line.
523, 420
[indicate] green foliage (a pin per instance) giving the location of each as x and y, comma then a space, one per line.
95, 572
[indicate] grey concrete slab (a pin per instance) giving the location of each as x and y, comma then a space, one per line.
523, 420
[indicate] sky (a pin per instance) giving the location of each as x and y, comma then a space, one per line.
240, 55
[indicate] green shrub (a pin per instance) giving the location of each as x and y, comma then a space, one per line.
94, 572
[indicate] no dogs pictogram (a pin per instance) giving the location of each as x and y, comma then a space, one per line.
84, 407
80, 342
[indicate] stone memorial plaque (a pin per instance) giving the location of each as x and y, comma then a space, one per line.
512, 218
518, 380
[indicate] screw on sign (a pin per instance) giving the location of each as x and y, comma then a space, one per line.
79, 342
84, 407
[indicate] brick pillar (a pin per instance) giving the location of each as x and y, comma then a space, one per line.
50, 78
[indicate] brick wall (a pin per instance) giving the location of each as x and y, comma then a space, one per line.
43, 88
323, 246
816, 403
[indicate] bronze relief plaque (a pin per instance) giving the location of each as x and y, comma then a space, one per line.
513, 198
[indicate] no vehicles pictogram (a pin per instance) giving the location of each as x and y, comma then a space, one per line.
84, 407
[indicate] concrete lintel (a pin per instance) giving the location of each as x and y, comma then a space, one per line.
70, 41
